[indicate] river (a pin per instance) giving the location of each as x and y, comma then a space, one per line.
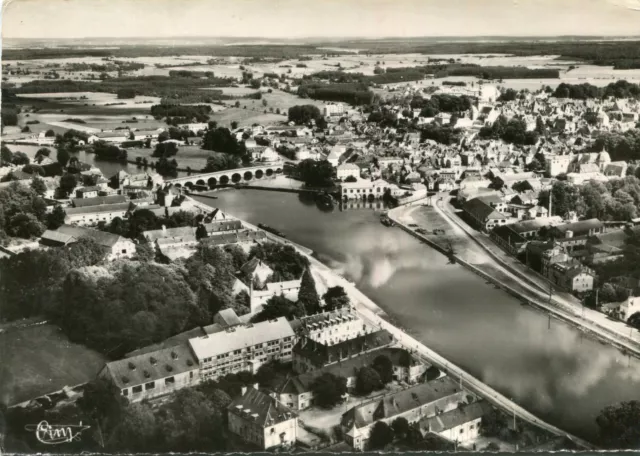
545, 365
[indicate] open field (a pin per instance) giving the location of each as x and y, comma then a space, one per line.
40, 360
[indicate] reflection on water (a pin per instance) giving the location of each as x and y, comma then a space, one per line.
545, 365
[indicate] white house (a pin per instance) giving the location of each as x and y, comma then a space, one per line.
348, 169
629, 306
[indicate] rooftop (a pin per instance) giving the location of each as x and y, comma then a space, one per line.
240, 337
258, 407
401, 401
149, 367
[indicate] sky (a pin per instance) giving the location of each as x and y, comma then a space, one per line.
317, 18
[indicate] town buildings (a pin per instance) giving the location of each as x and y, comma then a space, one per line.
296, 391
262, 420
116, 247
414, 404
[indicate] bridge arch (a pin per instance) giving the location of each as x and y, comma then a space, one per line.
236, 177
269, 172
212, 182
200, 182
178, 185
279, 171
259, 174
248, 175
224, 180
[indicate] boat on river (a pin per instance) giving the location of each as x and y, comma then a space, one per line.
264, 227
386, 221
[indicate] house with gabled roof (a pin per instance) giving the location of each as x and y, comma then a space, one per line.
414, 404
262, 420
153, 374
115, 246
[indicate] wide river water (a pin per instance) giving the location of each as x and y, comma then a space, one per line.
545, 365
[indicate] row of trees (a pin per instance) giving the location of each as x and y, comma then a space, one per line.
430, 107
616, 199
621, 146
618, 89
185, 113
356, 94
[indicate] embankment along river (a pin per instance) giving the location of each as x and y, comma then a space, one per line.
548, 367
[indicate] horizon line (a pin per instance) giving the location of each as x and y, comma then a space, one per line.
322, 37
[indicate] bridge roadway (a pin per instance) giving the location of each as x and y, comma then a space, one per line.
229, 176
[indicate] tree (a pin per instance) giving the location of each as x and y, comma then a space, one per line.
384, 367
6, 156
367, 381
432, 373
335, 298
619, 425
38, 186
25, 225
303, 114
634, 320
221, 162
63, 156
380, 436
493, 423
56, 218
308, 298
103, 404
400, 426
68, 183
321, 123
20, 158
276, 307
50, 133
316, 173
328, 390
266, 374
165, 149
145, 252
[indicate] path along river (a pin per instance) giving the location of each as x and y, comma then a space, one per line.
546, 366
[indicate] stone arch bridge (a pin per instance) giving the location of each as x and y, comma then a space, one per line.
228, 177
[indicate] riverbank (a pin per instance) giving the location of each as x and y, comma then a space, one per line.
372, 313
618, 333
477, 260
